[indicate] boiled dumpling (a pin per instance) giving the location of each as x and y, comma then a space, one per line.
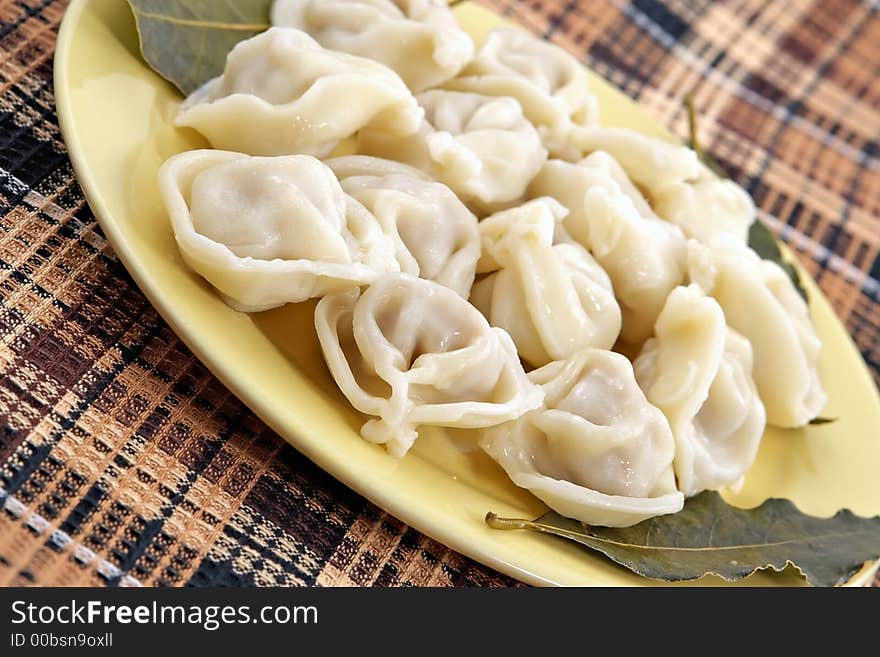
760, 301
699, 373
481, 147
435, 236
596, 451
651, 163
282, 93
706, 207
348, 166
418, 39
266, 231
411, 352
682, 190
550, 84
644, 256
552, 299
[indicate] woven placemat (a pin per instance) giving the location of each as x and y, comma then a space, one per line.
124, 462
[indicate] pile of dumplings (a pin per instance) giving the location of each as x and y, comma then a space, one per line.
490, 251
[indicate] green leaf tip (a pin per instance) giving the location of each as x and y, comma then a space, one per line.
186, 41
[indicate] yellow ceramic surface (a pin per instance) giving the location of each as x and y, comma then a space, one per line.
116, 117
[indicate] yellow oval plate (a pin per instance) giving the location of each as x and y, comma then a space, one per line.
115, 115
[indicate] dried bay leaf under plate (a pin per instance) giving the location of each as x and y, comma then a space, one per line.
711, 537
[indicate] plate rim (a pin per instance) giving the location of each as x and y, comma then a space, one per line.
376, 495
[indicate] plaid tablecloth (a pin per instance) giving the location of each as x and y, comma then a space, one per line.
124, 462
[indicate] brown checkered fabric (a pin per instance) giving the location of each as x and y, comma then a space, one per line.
124, 462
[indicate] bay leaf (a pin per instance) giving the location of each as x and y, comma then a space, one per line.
186, 41
710, 536
763, 242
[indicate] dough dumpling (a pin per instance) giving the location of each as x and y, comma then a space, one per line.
411, 352
699, 373
644, 256
419, 39
596, 451
706, 207
266, 231
651, 163
435, 236
760, 301
481, 147
348, 166
281, 93
549, 83
552, 299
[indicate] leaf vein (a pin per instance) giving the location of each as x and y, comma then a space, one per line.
210, 25
740, 546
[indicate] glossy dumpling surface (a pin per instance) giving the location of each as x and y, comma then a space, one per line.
550, 84
435, 236
644, 256
651, 163
481, 147
269, 231
597, 450
419, 39
760, 302
282, 93
411, 352
552, 299
706, 207
699, 373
